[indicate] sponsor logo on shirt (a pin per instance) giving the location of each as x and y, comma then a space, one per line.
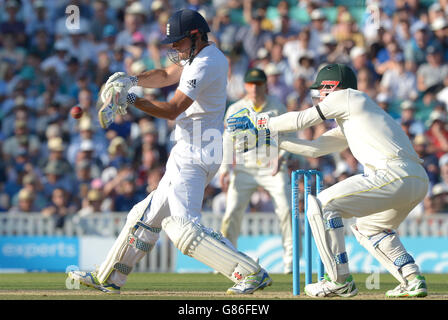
192, 83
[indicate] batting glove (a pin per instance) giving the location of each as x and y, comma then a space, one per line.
118, 77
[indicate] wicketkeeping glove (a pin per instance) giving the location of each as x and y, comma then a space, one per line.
247, 119
249, 129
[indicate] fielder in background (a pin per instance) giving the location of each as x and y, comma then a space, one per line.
198, 106
393, 183
256, 169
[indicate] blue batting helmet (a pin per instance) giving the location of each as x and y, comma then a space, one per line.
183, 24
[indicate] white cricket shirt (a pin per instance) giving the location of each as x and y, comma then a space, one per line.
205, 82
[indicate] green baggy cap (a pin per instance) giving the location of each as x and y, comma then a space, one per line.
255, 75
336, 73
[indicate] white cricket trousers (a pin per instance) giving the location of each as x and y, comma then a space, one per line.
380, 202
181, 190
243, 184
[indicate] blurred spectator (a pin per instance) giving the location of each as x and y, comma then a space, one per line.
57, 61
346, 29
21, 140
97, 145
413, 127
398, 83
253, 37
60, 207
439, 200
25, 203
134, 19
126, 196
12, 24
415, 51
92, 204
41, 44
277, 59
55, 178
39, 19
430, 160
437, 133
118, 152
56, 152
275, 84
10, 53
294, 49
223, 27
440, 29
301, 93
319, 27
286, 29
360, 60
433, 72
101, 19
32, 183
238, 65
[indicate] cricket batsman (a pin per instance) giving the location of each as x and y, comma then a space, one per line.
393, 183
256, 168
198, 108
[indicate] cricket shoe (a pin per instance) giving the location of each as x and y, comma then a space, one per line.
328, 288
415, 288
251, 283
90, 279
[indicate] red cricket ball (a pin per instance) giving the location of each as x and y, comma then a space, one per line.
76, 112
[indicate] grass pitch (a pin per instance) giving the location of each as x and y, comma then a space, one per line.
170, 286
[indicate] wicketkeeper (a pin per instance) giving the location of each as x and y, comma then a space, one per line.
393, 183
256, 168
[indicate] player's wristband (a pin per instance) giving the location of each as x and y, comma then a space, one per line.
130, 98
134, 80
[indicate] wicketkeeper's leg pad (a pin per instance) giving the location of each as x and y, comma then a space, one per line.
387, 248
135, 240
209, 247
328, 233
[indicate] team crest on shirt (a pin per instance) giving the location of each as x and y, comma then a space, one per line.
192, 83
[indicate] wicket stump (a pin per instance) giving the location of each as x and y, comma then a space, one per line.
307, 181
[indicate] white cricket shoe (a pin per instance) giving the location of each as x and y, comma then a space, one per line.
90, 279
415, 288
328, 288
251, 283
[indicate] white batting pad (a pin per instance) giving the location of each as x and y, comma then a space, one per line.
131, 244
209, 248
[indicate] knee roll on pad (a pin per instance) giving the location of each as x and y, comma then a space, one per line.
209, 247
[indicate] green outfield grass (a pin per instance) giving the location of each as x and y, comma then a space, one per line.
167, 286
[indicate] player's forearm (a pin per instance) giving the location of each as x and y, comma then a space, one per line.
158, 109
154, 79
294, 121
329, 142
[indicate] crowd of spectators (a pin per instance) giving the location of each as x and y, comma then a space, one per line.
57, 166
